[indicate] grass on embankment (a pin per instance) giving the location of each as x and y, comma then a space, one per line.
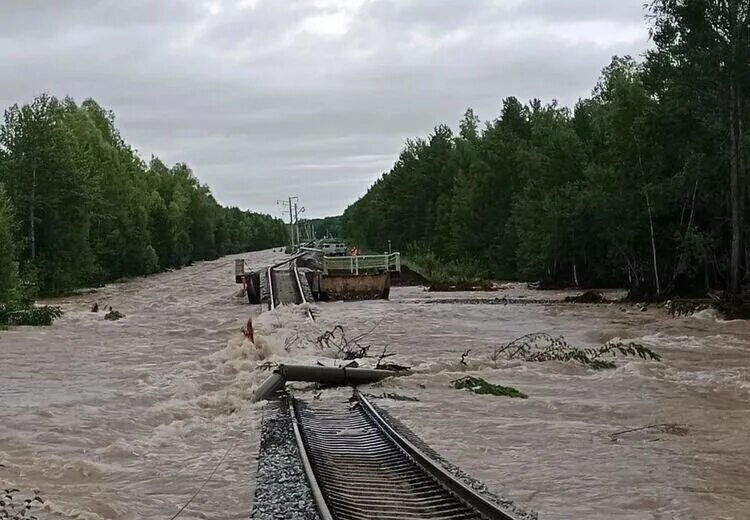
447, 275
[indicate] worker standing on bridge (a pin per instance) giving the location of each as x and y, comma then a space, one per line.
355, 251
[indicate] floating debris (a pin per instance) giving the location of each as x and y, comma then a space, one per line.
113, 315
478, 385
540, 346
394, 397
587, 297
666, 428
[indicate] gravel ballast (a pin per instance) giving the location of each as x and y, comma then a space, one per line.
281, 486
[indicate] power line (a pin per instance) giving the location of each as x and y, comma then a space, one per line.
210, 476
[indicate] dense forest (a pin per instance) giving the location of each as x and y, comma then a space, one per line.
323, 227
78, 207
645, 183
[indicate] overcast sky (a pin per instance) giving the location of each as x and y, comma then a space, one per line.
314, 98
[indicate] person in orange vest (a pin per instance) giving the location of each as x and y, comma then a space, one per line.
355, 251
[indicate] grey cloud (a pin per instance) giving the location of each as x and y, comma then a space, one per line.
576, 10
267, 97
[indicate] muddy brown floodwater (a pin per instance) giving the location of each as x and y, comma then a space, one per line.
125, 420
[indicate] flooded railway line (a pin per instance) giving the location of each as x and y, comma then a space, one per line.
97, 413
356, 465
359, 467
287, 287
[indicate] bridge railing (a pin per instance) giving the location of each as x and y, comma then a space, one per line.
362, 263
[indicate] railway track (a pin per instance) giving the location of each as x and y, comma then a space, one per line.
359, 468
285, 286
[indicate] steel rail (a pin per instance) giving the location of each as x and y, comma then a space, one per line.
301, 292
286, 261
359, 467
487, 508
271, 303
292, 261
320, 501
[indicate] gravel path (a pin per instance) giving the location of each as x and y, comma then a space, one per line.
281, 487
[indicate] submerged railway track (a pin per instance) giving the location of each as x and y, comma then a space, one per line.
285, 286
359, 468
357, 465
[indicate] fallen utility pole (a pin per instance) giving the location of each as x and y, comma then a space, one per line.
318, 374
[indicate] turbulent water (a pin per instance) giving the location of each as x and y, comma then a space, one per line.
125, 420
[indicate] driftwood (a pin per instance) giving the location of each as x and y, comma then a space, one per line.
350, 349
394, 397
668, 428
335, 339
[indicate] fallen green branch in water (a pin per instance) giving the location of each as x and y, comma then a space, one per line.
33, 315
478, 385
540, 346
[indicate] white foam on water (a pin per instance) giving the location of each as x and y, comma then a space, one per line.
76, 470
120, 449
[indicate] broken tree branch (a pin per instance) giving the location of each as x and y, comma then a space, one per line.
670, 428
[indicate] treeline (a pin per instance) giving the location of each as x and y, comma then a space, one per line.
78, 207
645, 183
323, 227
